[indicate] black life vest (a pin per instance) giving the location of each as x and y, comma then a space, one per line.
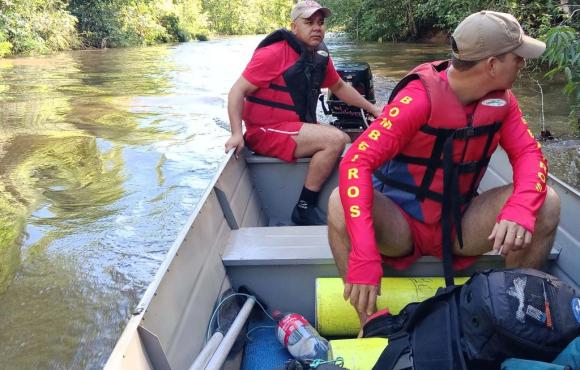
303, 79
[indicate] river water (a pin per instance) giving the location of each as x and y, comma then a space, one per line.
104, 154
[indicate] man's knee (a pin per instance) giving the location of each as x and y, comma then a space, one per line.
339, 139
549, 214
344, 138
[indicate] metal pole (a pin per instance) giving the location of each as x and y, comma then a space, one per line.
207, 351
219, 357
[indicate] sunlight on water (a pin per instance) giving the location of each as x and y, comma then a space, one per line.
102, 161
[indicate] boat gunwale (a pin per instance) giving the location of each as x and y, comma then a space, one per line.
564, 184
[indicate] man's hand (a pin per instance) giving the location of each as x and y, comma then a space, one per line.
235, 141
376, 111
509, 236
363, 298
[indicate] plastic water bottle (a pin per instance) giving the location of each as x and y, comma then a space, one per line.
302, 341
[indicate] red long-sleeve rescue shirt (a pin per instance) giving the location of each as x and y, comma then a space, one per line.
389, 134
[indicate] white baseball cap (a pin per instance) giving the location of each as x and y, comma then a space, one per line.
305, 9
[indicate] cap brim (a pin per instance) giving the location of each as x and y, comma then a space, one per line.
325, 12
530, 48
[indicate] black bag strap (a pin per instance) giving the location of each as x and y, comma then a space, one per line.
424, 307
393, 353
386, 325
449, 211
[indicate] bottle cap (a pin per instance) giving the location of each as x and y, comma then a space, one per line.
276, 314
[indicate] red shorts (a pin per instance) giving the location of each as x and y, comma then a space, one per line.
273, 140
427, 241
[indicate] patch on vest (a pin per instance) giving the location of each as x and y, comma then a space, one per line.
323, 53
494, 102
576, 309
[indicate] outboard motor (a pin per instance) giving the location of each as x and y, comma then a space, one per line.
348, 118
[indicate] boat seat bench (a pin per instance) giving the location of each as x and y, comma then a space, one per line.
294, 245
278, 245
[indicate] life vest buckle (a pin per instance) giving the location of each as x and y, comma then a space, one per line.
468, 167
464, 133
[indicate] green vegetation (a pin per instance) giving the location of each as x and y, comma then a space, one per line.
38, 26
371, 20
563, 56
120, 23
42, 26
242, 17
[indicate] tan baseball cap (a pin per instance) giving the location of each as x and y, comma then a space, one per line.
305, 9
487, 33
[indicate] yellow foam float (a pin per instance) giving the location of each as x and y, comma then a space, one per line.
336, 317
358, 354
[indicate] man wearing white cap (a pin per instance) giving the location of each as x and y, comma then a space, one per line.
277, 95
408, 185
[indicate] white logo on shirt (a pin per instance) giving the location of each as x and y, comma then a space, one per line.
494, 102
323, 53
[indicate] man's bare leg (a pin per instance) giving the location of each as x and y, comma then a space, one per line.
325, 145
480, 218
392, 233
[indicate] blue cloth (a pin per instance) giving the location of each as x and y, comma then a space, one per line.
570, 356
519, 364
263, 351
568, 359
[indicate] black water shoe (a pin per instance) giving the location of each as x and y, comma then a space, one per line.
305, 214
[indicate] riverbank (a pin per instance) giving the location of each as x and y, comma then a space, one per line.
36, 27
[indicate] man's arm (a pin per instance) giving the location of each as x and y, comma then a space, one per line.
350, 96
238, 92
385, 138
530, 171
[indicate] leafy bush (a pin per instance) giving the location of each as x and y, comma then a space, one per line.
191, 19
118, 23
240, 17
408, 19
42, 26
171, 24
563, 55
98, 23
5, 45
139, 22
35, 27
446, 15
5, 48
372, 19
536, 17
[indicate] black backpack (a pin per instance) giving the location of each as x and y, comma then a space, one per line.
497, 314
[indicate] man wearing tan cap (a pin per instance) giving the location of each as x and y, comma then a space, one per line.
277, 95
408, 185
